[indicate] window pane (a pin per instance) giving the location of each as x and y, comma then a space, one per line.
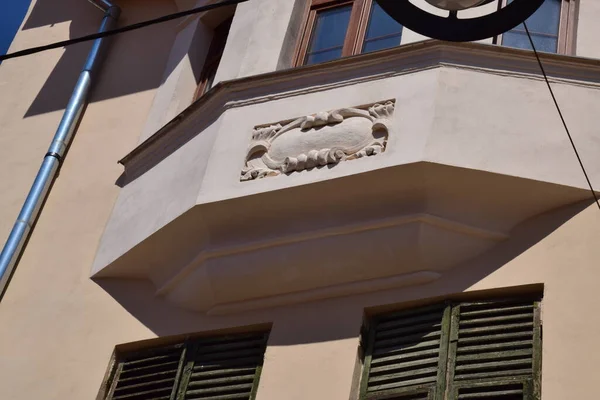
521, 41
328, 34
210, 80
546, 19
382, 31
380, 44
543, 25
323, 56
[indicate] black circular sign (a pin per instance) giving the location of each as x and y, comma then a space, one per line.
454, 29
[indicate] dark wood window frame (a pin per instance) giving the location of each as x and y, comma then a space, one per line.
357, 27
218, 366
213, 57
488, 348
567, 29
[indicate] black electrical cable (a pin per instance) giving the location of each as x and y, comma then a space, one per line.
562, 118
117, 31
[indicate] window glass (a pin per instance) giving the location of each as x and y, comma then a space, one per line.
329, 33
543, 26
383, 31
213, 57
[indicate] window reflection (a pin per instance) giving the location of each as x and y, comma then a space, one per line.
543, 26
383, 31
329, 34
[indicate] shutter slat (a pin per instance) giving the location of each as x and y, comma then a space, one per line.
225, 369
217, 368
151, 369
234, 396
398, 366
493, 395
492, 320
406, 383
495, 340
488, 312
409, 329
412, 372
496, 346
405, 358
498, 391
379, 349
477, 350
408, 340
220, 381
405, 352
148, 374
236, 362
161, 383
222, 372
150, 361
498, 355
147, 394
494, 365
409, 321
418, 396
221, 389
499, 328
496, 374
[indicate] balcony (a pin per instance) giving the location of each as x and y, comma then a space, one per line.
368, 173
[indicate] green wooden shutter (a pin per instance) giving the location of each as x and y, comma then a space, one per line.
405, 356
224, 367
148, 375
494, 351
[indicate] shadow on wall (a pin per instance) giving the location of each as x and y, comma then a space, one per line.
332, 319
132, 63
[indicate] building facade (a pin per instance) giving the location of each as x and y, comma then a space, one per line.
301, 199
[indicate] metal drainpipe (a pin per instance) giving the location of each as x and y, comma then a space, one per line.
53, 158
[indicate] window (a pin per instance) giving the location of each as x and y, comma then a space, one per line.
480, 350
219, 368
213, 57
552, 28
338, 28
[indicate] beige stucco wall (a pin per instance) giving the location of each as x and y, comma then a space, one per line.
59, 327
82, 196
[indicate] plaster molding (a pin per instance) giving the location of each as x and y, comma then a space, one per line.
339, 231
324, 138
406, 59
347, 289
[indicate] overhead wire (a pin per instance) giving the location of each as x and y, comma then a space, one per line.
223, 3
112, 32
560, 114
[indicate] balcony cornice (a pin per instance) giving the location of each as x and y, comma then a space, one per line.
351, 70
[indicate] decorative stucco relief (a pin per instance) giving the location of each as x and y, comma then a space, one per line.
324, 138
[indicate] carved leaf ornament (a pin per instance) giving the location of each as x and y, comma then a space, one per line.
321, 139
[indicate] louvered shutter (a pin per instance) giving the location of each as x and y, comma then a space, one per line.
148, 375
494, 351
406, 354
223, 368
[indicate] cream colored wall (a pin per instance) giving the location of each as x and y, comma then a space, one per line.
59, 327
588, 30
52, 312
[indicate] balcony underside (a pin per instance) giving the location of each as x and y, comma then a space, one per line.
383, 229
